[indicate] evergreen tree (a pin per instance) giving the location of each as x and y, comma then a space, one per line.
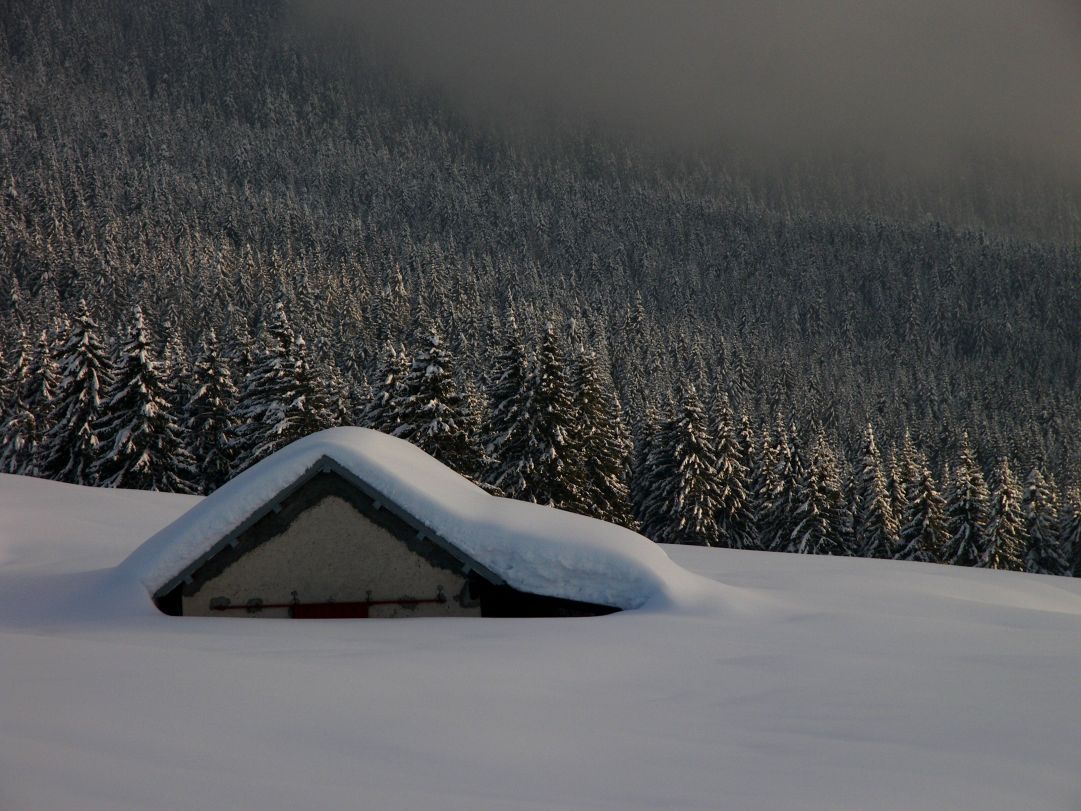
763, 485
432, 411
358, 390
18, 424
897, 476
922, 522
380, 414
735, 525
239, 351
966, 510
283, 397
474, 421
644, 464
538, 457
821, 526
509, 417
70, 447
38, 399
749, 448
340, 394
208, 416
605, 444
1044, 553
141, 445
176, 369
1003, 541
875, 527
18, 432
683, 501
779, 517
7, 390
1070, 539
43, 379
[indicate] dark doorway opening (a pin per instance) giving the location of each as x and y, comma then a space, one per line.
504, 601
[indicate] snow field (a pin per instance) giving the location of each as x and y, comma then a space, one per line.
798, 683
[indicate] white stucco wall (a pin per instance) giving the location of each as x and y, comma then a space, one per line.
331, 552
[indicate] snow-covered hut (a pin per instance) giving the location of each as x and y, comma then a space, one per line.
353, 523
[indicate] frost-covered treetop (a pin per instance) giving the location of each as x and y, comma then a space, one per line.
534, 548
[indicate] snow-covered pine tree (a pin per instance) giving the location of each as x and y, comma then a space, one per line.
379, 413
822, 527
1044, 553
475, 419
360, 397
509, 415
320, 406
18, 424
16, 443
282, 399
605, 444
44, 377
904, 472
875, 525
682, 504
779, 519
238, 349
432, 411
344, 404
1003, 540
208, 416
531, 430
922, 531
966, 510
1070, 539
643, 463
14, 364
632, 339
70, 447
763, 485
749, 446
735, 525
175, 365
38, 400
141, 444
896, 479
547, 454
749, 450
339, 392
358, 390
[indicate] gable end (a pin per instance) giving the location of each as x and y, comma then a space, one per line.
324, 478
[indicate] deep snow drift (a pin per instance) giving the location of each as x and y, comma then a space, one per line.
804, 683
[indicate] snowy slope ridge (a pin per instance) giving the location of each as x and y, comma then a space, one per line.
535, 549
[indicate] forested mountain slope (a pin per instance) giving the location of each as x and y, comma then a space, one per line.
208, 161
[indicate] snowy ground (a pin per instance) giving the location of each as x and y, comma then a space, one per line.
808, 683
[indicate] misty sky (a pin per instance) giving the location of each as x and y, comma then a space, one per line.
916, 78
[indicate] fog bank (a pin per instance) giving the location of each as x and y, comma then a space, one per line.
919, 79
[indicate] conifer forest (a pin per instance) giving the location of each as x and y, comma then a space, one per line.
217, 237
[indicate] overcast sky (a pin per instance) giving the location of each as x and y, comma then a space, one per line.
911, 77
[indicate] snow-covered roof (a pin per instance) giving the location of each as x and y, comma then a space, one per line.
532, 548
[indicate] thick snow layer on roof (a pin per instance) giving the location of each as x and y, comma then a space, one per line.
533, 548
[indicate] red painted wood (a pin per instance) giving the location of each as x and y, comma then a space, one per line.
330, 611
